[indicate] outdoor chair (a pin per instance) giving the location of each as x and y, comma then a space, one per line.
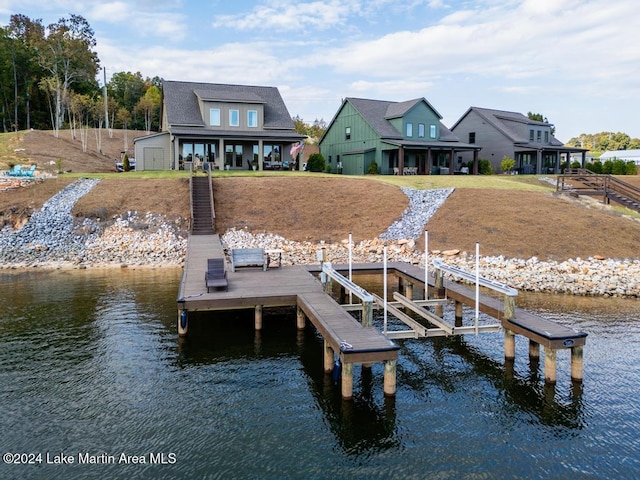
216, 276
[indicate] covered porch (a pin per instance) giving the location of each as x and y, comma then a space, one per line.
545, 161
226, 152
420, 158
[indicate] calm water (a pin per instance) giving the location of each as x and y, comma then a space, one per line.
90, 365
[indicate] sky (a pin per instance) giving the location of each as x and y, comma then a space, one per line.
577, 62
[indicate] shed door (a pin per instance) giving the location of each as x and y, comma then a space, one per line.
154, 158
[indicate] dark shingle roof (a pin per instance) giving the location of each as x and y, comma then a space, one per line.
378, 112
181, 102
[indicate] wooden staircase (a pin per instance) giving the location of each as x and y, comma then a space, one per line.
202, 214
584, 182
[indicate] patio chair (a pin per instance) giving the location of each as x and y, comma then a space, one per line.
216, 276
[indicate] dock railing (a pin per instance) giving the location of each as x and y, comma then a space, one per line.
358, 291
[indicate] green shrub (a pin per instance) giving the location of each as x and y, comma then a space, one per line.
576, 164
316, 163
507, 164
607, 167
595, 167
373, 169
619, 167
632, 168
126, 166
484, 167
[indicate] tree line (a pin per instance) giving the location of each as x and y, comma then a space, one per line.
49, 80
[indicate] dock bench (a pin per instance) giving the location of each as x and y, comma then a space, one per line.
248, 257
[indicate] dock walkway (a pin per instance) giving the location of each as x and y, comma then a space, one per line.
295, 286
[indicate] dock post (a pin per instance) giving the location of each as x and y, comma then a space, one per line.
328, 357
550, 365
367, 314
183, 322
300, 319
509, 307
458, 314
534, 349
439, 284
258, 317
509, 344
347, 381
576, 363
390, 378
408, 290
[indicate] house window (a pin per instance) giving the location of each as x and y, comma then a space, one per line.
252, 118
214, 117
347, 133
234, 118
409, 129
531, 135
539, 136
546, 137
421, 130
472, 137
432, 131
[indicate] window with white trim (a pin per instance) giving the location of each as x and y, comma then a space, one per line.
214, 117
252, 118
234, 118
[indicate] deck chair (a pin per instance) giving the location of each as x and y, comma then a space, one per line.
216, 276
16, 171
29, 173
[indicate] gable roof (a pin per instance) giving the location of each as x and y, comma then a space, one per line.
182, 108
504, 121
377, 114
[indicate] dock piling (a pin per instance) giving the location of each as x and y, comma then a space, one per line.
550, 365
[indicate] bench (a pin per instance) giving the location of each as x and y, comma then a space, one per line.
248, 257
215, 276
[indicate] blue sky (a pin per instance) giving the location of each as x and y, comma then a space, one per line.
575, 61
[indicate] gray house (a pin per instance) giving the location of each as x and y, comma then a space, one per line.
529, 142
400, 137
218, 126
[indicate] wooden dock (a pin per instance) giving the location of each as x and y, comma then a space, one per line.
344, 337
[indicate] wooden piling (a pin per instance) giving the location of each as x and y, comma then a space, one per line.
550, 365
439, 290
408, 290
576, 363
258, 317
347, 381
390, 377
328, 358
300, 319
509, 344
458, 314
534, 349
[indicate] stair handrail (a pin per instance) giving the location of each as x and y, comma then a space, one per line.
213, 211
625, 189
191, 195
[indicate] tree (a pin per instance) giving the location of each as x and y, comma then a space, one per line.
507, 164
66, 55
149, 106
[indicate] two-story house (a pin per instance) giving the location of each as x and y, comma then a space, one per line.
400, 137
500, 133
218, 126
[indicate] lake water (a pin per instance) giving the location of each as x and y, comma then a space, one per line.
91, 369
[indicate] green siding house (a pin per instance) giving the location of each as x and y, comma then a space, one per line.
400, 137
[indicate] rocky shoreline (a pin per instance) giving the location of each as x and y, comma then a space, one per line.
52, 239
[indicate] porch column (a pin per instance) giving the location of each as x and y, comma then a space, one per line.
429, 161
475, 162
400, 160
451, 161
584, 159
260, 156
539, 162
223, 154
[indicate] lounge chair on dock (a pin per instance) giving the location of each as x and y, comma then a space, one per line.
216, 276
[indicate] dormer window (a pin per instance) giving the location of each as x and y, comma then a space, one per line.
234, 118
214, 117
546, 137
252, 118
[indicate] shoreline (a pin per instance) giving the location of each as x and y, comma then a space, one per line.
581, 277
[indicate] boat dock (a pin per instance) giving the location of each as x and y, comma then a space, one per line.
348, 342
